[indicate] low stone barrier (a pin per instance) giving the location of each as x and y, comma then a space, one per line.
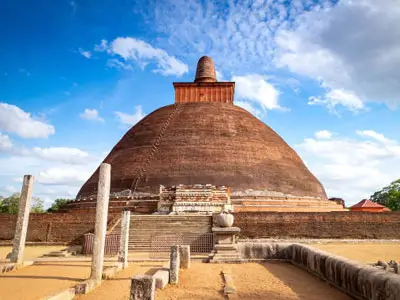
262, 251
358, 280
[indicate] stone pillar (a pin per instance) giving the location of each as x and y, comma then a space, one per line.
103, 195
142, 287
124, 240
184, 256
17, 254
174, 264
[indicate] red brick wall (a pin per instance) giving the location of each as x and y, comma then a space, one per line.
351, 225
70, 227
56, 227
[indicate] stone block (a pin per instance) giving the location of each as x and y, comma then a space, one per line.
86, 286
184, 252
161, 277
174, 265
142, 287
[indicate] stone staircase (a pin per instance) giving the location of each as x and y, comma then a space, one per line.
144, 228
154, 148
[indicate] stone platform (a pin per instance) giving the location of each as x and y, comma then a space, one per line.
225, 249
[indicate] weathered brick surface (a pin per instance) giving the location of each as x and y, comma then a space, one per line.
56, 227
70, 227
351, 225
216, 143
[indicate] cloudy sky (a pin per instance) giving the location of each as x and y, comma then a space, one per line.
75, 75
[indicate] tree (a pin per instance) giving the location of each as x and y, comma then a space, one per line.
10, 204
37, 206
389, 196
58, 204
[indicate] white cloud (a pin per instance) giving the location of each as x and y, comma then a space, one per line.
257, 89
323, 134
138, 51
128, 119
62, 154
8, 190
63, 176
91, 114
5, 143
375, 135
15, 120
349, 168
338, 97
353, 47
85, 53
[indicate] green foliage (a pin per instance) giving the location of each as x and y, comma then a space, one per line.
389, 196
10, 204
57, 205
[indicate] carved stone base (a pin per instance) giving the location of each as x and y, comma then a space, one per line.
225, 246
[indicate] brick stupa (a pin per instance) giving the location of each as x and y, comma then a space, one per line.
205, 139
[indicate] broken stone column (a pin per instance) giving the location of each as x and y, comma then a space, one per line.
103, 195
142, 287
184, 256
124, 240
174, 264
17, 254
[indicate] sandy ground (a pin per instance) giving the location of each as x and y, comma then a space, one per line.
44, 279
38, 281
118, 287
280, 281
201, 281
368, 253
31, 252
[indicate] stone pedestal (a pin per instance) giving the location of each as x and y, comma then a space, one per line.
225, 245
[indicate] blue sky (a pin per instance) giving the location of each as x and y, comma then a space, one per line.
75, 75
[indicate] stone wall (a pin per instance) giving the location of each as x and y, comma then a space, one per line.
55, 227
350, 225
358, 280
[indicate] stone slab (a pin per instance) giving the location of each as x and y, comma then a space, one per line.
110, 272
86, 286
225, 229
67, 294
229, 287
161, 277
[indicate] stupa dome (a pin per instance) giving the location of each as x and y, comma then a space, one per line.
201, 143
205, 139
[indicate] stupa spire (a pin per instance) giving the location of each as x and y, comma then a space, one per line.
205, 71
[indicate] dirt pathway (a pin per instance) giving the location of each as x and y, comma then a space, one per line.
280, 281
118, 287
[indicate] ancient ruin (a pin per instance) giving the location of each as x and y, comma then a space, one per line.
202, 142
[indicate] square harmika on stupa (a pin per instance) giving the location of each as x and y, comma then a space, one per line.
201, 145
